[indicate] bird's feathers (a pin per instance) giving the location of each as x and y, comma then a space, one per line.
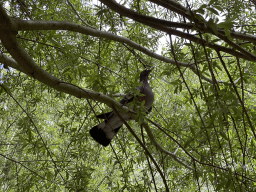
100, 136
105, 115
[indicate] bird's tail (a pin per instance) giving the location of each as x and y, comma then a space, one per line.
103, 134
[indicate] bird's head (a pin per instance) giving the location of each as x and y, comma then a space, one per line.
144, 75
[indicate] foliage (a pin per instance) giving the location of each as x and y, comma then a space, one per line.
202, 133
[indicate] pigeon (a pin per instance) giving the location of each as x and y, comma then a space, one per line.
104, 132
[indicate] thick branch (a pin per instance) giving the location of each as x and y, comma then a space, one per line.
173, 6
178, 8
162, 25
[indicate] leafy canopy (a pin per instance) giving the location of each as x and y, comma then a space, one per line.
63, 61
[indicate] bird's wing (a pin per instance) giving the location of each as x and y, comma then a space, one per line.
126, 99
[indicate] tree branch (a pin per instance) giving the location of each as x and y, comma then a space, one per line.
59, 25
162, 25
158, 146
173, 6
178, 8
143, 146
24, 25
12, 63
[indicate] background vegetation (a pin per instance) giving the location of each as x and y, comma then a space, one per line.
63, 62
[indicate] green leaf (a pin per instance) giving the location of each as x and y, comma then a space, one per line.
214, 11
212, 2
223, 135
213, 26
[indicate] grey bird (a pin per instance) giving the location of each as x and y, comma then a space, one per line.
104, 132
